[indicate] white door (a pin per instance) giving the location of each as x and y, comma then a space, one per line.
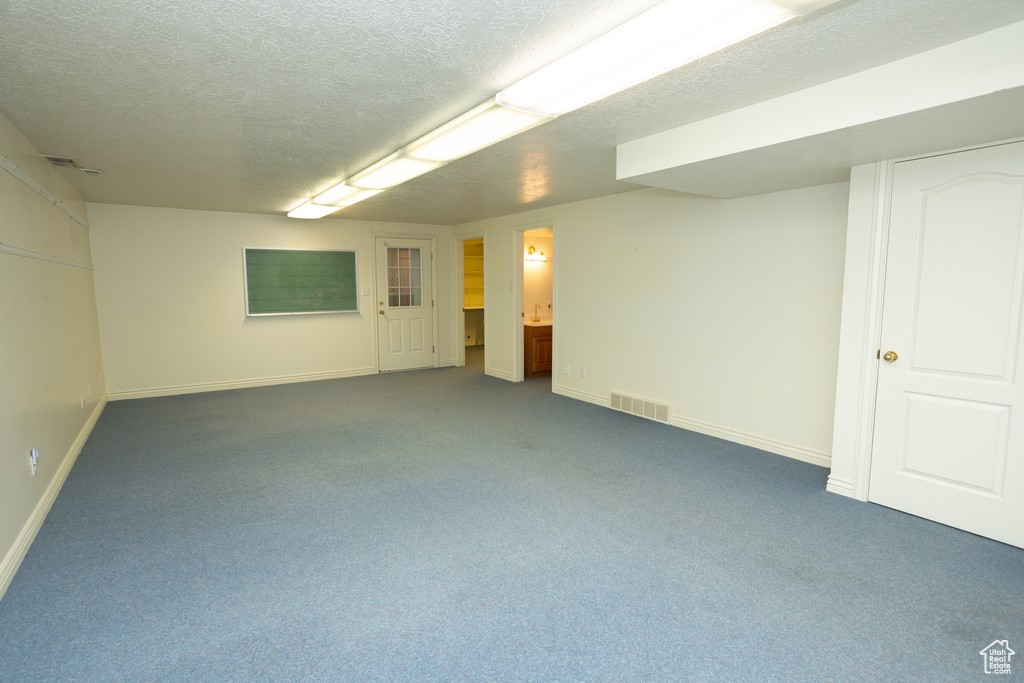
405, 314
949, 423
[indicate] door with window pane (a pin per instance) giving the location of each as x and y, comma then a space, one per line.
405, 315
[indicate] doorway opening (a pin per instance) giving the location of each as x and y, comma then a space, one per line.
473, 308
536, 304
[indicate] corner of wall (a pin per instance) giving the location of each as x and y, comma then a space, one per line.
862, 282
16, 553
19, 158
50, 336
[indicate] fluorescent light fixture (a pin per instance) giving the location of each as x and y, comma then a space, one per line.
342, 195
478, 128
311, 210
663, 38
390, 171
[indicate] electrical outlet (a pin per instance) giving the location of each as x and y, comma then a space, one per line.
565, 369
583, 372
33, 460
81, 400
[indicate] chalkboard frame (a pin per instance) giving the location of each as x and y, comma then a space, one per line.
350, 281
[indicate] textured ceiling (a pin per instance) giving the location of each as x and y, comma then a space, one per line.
254, 106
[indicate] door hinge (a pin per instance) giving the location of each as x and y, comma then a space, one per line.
878, 355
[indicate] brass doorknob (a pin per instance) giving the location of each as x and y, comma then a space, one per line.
381, 312
890, 356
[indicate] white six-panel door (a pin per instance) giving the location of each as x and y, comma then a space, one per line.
405, 315
949, 423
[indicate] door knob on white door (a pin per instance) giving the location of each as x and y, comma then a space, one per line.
890, 356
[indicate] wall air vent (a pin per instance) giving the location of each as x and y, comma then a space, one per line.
652, 410
91, 171
64, 162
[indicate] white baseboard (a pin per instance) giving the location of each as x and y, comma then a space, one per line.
500, 374
736, 436
771, 445
239, 384
843, 487
582, 396
17, 552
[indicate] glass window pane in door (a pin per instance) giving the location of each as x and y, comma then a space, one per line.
404, 277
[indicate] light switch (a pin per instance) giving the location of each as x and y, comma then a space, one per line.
366, 291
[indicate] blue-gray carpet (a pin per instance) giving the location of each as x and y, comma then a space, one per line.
443, 525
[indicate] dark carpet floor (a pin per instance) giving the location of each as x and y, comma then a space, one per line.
443, 525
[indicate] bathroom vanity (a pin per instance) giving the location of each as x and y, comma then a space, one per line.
537, 348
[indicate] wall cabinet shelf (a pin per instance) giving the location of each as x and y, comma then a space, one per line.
473, 287
473, 274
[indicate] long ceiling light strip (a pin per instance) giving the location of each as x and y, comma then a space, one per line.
311, 210
342, 195
480, 127
665, 37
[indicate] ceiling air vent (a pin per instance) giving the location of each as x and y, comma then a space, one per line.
66, 162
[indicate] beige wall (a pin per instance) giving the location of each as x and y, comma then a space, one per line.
728, 310
169, 289
49, 341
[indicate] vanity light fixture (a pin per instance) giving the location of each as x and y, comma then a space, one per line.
533, 255
665, 37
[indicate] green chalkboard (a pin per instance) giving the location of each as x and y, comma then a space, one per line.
289, 281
